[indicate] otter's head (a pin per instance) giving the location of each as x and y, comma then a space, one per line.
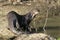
30, 15
34, 12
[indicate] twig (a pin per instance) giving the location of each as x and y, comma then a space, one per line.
45, 22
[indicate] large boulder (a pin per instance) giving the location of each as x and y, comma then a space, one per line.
35, 36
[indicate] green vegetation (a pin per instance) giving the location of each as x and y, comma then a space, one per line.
58, 38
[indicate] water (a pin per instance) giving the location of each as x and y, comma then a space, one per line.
52, 31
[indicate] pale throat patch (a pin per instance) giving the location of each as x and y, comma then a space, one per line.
35, 13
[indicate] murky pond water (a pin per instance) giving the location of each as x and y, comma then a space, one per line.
53, 31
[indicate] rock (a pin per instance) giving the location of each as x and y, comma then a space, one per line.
35, 36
